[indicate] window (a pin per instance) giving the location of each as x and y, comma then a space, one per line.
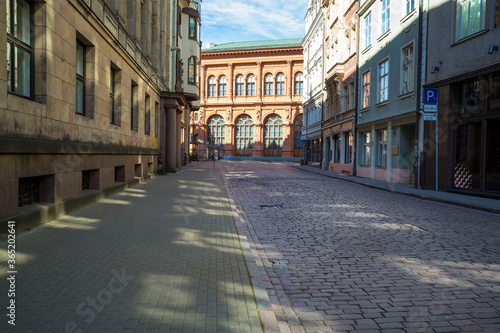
157, 119
383, 69
470, 17
251, 85
386, 16
147, 117
410, 6
348, 147
366, 89
382, 148
273, 136
212, 86
240, 86
299, 84
368, 30
19, 49
192, 27
280, 84
134, 112
366, 153
192, 70
268, 84
297, 128
244, 135
222, 86
337, 144
112, 96
196, 117
216, 133
352, 91
407, 70
80, 78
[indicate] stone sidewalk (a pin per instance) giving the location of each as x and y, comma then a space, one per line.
163, 256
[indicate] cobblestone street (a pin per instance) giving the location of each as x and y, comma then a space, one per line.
341, 257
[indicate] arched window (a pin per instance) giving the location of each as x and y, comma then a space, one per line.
297, 132
299, 84
212, 86
222, 86
244, 135
280, 84
273, 136
240, 86
216, 132
268, 84
251, 85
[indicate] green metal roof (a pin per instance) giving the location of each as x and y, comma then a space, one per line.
263, 44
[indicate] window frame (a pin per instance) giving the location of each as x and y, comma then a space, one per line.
244, 135
250, 82
192, 70
366, 89
298, 83
193, 31
408, 73
147, 115
15, 42
383, 81
268, 84
112, 73
410, 6
220, 129
386, 16
382, 155
239, 85
366, 154
222, 86
458, 20
280, 84
368, 30
212, 86
80, 77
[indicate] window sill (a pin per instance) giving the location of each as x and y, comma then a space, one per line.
479, 33
382, 104
408, 16
407, 95
381, 38
365, 109
368, 48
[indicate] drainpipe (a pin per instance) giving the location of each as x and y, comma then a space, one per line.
356, 112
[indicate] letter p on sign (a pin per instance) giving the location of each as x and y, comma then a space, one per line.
430, 96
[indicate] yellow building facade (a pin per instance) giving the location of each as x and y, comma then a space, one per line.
251, 100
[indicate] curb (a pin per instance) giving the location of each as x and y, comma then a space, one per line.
264, 307
415, 195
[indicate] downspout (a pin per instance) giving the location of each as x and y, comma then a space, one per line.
355, 122
173, 78
421, 81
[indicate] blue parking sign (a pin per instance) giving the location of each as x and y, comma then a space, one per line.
430, 96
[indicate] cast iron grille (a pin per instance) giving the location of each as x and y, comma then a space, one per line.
85, 180
29, 190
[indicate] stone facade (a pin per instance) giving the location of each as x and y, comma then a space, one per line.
251, 98
82, 97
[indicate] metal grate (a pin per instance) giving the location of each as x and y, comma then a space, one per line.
29, 191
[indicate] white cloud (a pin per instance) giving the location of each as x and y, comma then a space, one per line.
230, 21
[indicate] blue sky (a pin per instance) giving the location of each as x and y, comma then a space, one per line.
225, 21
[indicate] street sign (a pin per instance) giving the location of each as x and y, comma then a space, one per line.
430, 96
430, 108
430, 116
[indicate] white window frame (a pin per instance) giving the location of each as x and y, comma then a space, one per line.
383, 81
386, 16
368, 30
382, 154
365, 88
366, 151
407, 69
471, 19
